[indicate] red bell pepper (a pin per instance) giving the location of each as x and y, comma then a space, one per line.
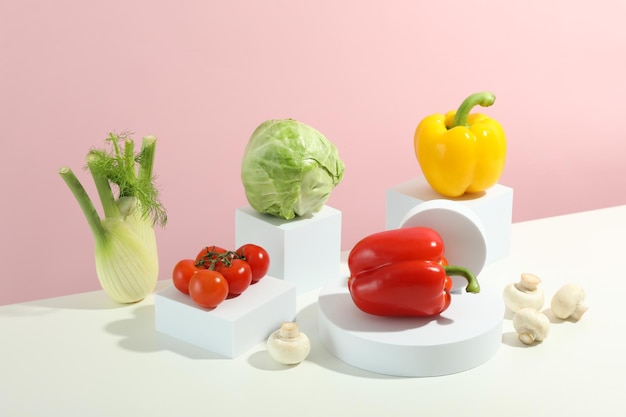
402, 272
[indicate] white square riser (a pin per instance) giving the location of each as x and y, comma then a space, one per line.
303, 251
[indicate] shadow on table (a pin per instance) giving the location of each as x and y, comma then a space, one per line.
96, 300
138, 334
92, 300
307, 321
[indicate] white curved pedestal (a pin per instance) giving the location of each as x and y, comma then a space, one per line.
462, 232
464, 336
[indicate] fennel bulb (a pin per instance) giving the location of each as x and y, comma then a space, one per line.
126, 254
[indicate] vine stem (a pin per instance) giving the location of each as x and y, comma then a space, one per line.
211, 258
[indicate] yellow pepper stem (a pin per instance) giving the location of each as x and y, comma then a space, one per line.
483, 99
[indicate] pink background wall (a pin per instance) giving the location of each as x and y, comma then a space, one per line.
201, 75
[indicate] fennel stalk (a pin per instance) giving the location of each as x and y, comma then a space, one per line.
125, 245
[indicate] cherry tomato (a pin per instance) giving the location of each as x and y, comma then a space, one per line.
208, 253
257, 258
238, 274
208, 288
183, 270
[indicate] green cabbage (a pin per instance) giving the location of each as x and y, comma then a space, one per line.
289, 169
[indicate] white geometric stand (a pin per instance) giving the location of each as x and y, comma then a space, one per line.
235, 325
462, 232
464, 336
305, 251
493, 208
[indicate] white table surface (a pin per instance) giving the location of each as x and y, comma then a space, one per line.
83, 355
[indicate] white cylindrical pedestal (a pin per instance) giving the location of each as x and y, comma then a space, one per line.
461, 230
464, 336
494, 208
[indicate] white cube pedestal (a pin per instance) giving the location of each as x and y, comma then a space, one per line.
462, 337
493, 208
234, 326
305, 251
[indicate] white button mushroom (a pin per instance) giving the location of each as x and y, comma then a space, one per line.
525, 293
568, 302
531, 325
288, 345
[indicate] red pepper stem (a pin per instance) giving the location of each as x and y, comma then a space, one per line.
472, 282
483, 99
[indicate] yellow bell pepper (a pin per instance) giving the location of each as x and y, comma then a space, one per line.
460, 152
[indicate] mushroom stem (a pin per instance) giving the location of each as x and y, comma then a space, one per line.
578, 312
288, 330
528, 282
526, 338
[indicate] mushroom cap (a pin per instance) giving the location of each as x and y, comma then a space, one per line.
568, 302
288, 345
531, 325
525, 293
